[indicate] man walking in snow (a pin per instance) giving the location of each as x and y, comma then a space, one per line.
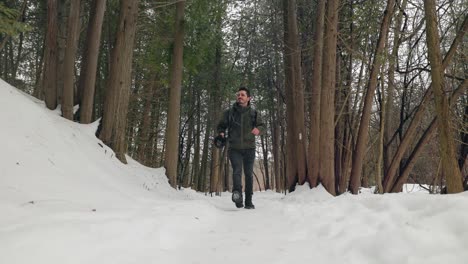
243, 124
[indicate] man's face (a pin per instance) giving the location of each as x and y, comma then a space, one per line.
242, 98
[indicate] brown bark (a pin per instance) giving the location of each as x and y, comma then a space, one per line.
265, 161
291, 165
154, 142
277, 154
389, 146
346, 146
204, 159
446, 143
316, 84
380, 158
90, 58
148, 94
296, 166
196, 155
327, 99
173, 115
362, 137
190, 141
118, 86
49, 79
353, 125
341, 103
216, 160
463, 151
73, 31
63, 13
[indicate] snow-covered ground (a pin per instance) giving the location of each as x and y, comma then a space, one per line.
65, 198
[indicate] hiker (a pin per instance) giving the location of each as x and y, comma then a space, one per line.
243, 124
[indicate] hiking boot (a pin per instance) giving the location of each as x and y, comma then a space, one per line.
249, 206
248, 202
237, 199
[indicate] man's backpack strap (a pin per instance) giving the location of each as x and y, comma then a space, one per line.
253, 117
230, 119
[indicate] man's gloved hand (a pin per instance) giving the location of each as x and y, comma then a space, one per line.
219, 141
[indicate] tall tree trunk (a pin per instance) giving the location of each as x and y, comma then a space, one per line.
38, 88
296, 166
49, 78
156, 113
316, 85
190, 139
204, 159
277, 140
196, 155
216, 160
347, 134
446, 143
276, 152
118, 86
389, 146
90, 59
148, 94
327, 99
380, 158
463, 155
341, 98
278, 117
265, 161
291, 158
173, 115
63, 13
69, 64
359, 153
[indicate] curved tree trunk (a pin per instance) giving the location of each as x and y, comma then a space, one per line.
359, 153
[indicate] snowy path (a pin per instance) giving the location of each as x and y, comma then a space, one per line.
307, 226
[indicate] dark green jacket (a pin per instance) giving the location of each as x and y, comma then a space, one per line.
238, 121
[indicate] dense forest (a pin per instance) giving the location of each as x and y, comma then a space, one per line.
354, 93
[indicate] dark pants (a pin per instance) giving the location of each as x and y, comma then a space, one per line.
245, 157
